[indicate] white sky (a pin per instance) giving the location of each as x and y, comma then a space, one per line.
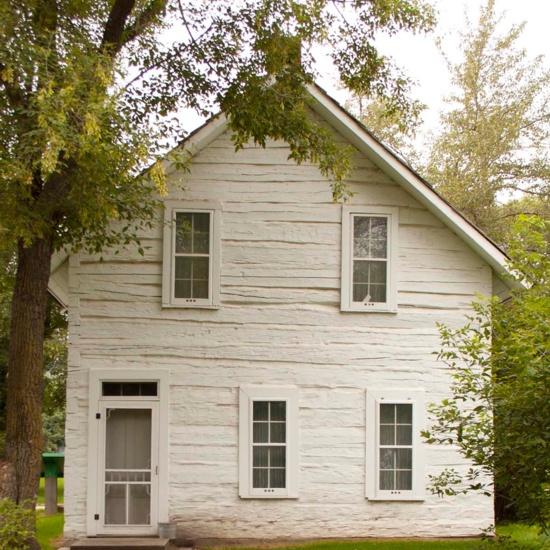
421, 60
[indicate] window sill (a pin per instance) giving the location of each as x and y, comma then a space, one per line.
400, 498
189, 306
271, 497
367, 310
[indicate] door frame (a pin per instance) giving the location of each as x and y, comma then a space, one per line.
159, 505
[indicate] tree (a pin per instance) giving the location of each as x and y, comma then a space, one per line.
499, 412
493, 147
395, 126
89, 90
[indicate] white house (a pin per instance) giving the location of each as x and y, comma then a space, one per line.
263, 371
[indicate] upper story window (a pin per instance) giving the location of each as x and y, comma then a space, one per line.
191, 264
369, 259
395, 466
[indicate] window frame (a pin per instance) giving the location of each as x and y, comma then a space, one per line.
172, 208
375, 398
348, 214
247, 396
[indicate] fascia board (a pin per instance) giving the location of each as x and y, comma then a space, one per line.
399, 172
200, 138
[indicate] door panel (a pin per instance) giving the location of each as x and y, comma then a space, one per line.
128, 470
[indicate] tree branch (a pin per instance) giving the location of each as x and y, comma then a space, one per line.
155, 8
117, 31
114, 28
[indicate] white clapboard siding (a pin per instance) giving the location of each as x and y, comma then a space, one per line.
279, 323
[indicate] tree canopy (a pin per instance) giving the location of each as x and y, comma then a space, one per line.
499, 412
90, 94
490, 158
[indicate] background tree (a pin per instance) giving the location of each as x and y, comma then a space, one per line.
499, 412
55, 358
87, 93
493, 147
396, 126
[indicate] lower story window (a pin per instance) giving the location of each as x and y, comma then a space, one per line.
395, 469
268, 442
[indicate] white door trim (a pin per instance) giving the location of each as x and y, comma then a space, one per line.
95, 526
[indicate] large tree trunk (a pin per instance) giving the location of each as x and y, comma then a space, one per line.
21, 461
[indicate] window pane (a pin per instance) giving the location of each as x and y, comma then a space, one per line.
277, 478
278, 432
148, 388
360, 271
129, 388
387, 459
379, 228
201, 223
182, 289
387, 435
369, 281
361, 248
403, 459
387, 414
184, 265
200, 268
259, 456
260, 432
377, 272
378, 249
260, 410
404, 435
278, 410
361, 227
200, 289
183, 232
370, 237
201, 243
378, 293
259, 478
277, 457
403, 481
404, 414
386, 480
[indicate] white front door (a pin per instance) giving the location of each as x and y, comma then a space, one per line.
128, 468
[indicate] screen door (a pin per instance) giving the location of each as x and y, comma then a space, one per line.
128, 481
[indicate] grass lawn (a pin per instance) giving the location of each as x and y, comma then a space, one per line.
48, 529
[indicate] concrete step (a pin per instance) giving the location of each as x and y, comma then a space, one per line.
120, 543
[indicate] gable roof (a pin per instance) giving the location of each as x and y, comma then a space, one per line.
383, 157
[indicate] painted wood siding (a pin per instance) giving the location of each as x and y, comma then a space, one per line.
279, 323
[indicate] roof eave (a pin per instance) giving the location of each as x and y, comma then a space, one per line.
356, 134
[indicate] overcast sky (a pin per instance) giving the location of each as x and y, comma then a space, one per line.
420, 58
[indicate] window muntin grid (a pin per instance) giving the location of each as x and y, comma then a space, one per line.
396, 447
269, 444
192, 250
370, 259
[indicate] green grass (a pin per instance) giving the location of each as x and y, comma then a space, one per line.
60, 490
48, 528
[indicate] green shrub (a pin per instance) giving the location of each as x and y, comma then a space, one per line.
16, 526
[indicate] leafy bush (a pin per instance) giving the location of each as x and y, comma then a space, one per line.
16, 526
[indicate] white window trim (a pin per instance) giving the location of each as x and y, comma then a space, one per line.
168, 261
347, 304
374, 399
95, 398
247, 396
